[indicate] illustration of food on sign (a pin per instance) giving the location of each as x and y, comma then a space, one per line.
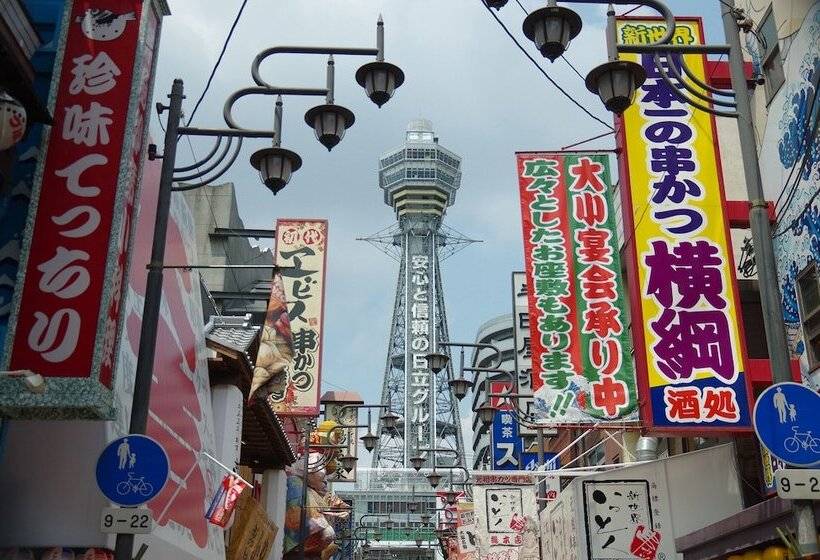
104, 25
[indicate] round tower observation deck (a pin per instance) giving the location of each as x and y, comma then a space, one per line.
421, 177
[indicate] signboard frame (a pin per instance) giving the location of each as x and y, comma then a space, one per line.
577, 308
293, 400
94, 120
742, 384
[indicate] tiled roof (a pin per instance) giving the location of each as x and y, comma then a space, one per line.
234, 333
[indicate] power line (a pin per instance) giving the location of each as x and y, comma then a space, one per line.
565, 59
538, 66
218, 61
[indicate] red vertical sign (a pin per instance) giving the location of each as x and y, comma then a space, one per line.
76, 250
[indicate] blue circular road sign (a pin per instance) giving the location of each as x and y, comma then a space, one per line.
132, 469
787, 422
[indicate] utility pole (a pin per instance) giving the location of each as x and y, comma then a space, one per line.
775, 327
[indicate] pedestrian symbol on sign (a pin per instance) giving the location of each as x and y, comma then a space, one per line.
132, 470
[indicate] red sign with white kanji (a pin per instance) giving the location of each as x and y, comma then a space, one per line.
67, 322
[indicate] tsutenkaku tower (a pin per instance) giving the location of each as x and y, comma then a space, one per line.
419, 180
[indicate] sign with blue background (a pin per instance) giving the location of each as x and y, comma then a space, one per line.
506, 442
787, 421
132, 469
529, 461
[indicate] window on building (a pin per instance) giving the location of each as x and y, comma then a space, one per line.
808, 297
772, 63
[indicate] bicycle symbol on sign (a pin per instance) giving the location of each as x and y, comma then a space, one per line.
135, 485
801, 439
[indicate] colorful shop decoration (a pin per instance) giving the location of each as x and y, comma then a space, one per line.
65, 322
301, 251
688, 344
506, 515
581, 354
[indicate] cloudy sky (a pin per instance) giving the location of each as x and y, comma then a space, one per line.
484, 97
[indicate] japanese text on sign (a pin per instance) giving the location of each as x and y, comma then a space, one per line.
687, 300
301, 249
83, 203
581, 364
420, 319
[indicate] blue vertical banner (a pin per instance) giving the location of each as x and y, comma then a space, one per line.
506, 442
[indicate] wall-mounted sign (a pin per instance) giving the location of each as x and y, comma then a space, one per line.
581, 354
785, 419
506, 442
65, 322
506, 517
132, 469
523, 350
685, 306
301, 249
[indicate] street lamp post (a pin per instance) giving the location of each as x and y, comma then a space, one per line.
486, 412
616, 83
275, 165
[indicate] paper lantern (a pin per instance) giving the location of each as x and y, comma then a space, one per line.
12, 121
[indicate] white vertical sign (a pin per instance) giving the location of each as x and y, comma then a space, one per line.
523, 351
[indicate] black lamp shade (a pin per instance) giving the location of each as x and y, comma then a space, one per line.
389, 420
379, 80
417, 462
348, 462
616, 82
437, 361
486, 413
369, 440
460, 386
551, 29
433, 478
497, 4
275, 166
329, 123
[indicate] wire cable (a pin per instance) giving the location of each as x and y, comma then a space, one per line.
218, 61
547, 76
565, 59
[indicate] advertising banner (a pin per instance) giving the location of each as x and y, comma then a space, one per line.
523, 351
252, 533
275, 355
65, 320
465, 531
685, 306
559, 528
301, 251
506, 442
420, 328
506, 515
581, 354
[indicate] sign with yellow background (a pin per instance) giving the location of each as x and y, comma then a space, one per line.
685, 307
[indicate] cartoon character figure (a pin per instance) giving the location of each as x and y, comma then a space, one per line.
104, 25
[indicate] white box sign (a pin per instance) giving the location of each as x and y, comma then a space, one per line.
135, 521
798, 484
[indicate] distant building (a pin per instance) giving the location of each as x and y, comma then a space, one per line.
221, 240
498, 332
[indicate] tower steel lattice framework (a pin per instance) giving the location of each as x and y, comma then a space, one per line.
419, 180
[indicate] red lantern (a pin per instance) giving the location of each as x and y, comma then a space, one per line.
12, 121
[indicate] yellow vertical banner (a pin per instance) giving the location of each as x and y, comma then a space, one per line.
685, 307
